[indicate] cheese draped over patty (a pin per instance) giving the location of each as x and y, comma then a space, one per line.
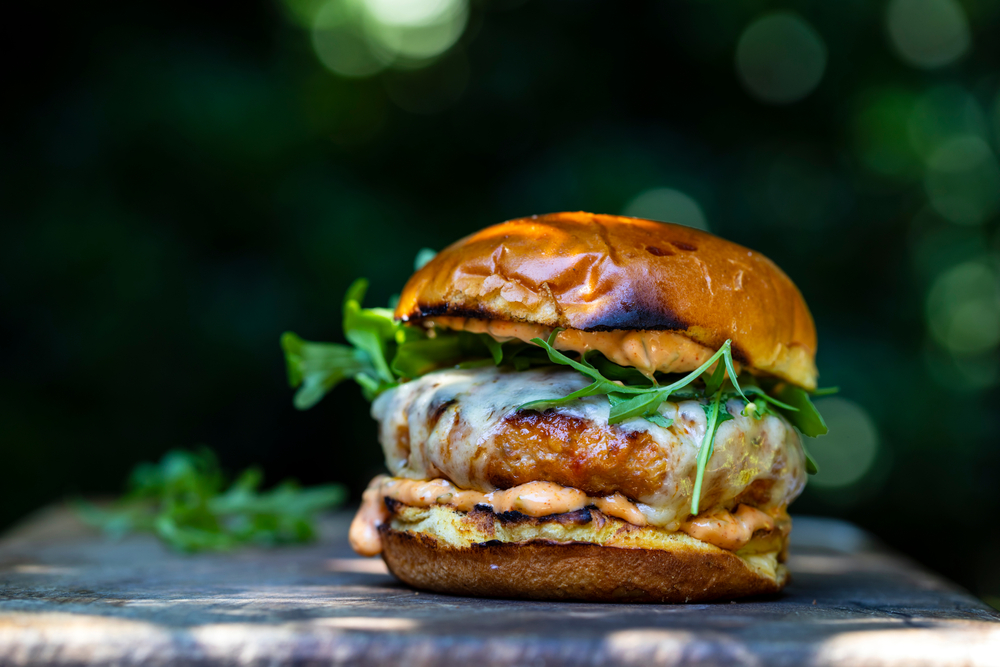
464, 426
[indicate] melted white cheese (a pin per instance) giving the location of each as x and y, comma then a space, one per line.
458, 445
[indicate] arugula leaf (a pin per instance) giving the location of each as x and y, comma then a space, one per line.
495, 348
521, 363
732, 373
825, 391
632, 401
660, 420
640, 405
712, 411
371, 387
601, 384
420, 357
760, 410
757, 391
805, 416
316, 368
181, 500
627, 401
715, 380
811, 466
595, 389
613, 371
557, 357
370, 329
383, 352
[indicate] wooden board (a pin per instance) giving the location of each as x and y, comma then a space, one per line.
70, 597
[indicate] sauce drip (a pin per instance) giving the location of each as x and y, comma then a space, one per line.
724, 529
363, 535
647, 351
728, 530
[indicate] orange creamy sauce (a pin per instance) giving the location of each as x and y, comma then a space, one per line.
728, 530
721, 528
648, 351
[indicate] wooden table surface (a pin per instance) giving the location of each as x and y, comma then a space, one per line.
70, 597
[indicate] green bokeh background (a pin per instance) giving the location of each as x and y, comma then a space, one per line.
184, 181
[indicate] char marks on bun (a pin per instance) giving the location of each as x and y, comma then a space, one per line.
598, 273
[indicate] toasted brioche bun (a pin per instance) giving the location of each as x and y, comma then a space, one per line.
570, 557
598, 273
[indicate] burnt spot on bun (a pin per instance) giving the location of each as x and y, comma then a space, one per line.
392, 504
576, 517
448, 309
636, 314
738, 354
488, 543
658, 252
599, 273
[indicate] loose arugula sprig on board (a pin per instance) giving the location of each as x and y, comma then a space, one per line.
184, 501
383, 353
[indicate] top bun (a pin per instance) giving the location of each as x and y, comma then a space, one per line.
606, 273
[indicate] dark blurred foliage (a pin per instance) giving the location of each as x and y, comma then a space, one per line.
184, 181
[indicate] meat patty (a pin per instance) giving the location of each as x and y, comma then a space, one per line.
464, 425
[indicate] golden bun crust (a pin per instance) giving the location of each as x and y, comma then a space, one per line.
543, 570
605, 273
539, 559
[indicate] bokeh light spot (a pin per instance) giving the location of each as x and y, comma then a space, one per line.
928, 33
941, 114
880, 135
667, 205
850, 449
340, 43
996, 119
409, 12
962, 373
780, 58
415, 29
963, 181
359, 38
303, 12
963, 308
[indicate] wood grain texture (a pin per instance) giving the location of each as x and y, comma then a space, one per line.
69, 597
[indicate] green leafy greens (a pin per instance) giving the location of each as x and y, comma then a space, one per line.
184, 501
384, 353
630, 401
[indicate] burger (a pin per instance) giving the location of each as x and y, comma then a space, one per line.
581, 406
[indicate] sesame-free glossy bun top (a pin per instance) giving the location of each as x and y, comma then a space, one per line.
598, 273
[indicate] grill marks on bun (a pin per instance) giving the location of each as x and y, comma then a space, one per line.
583, 555
605, 273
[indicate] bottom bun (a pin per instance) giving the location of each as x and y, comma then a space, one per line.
429, 549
